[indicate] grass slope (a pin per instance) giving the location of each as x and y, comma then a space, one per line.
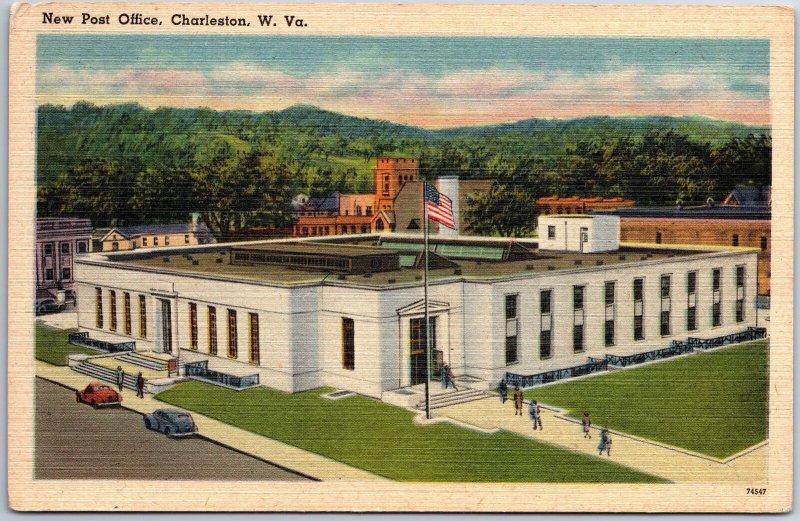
382, 439
52, 346
714, 403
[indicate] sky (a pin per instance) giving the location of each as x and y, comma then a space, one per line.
431, 82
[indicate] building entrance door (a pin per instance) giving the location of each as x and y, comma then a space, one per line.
164, 325
419, 363
584, 238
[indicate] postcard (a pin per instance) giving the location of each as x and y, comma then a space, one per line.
423, 258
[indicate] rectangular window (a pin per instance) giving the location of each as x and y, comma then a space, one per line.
610, 313
735, 240
609, 333
546, 328
716, 297
82, 247
98, 309
638, 327
691, 298
665, 323
193, 342
577, 319
551, 232
186, 239
212, 330
512, 327
126, 309
155, 241
112, 297
144, 241
577, 338
638, 290
609, 293
48, 274
739, 293
65, 248
511, 306
577, 297
233, 339
545, 346
48, 249
66, 273
666, 282
348, 344
763, 244
666, 304
255, 343
142, 316
166, 240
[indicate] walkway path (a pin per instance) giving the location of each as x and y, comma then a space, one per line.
307, 463
671, 463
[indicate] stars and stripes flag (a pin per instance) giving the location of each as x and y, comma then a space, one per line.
440, 207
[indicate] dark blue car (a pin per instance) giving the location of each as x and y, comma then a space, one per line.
173, 423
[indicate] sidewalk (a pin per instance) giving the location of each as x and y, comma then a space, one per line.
670, 463
307, 463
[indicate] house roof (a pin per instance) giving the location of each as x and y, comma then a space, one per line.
327, 203
750, 196
157, 229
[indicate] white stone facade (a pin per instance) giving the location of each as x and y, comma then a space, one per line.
300, 340
581, 233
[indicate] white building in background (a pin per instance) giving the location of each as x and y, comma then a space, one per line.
305, 314
581, 233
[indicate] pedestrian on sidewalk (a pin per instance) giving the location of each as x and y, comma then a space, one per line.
605, 442
536, 414
502, 390
120, 374
450, 378
518, 400
140, 385
587, 426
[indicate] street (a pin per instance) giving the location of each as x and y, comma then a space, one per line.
74, 441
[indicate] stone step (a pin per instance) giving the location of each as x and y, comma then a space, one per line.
105, 374
143, 361
445, 400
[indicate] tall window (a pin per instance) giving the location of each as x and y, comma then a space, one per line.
112, 297
233, 339
512, 327
638, 309
610, 312
735, 240
551, 232
212, 330
658, 237
126, 304
577, 319
739, 293
81, 247
763, 244
65, 248
48, 249
716, 297
255, 344
691, 304
142, 317
545, 333
98, 307
193, 343
666, 304
348, 344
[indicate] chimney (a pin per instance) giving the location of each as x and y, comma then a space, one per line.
449, 186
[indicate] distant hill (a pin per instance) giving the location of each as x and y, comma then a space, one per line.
179, 137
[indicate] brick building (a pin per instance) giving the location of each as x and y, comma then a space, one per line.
554, 204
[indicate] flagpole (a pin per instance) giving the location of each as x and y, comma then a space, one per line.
427, 317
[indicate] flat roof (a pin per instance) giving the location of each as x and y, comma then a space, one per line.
216, 263
701, 212
318, 248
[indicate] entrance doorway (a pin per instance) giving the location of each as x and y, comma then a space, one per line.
165, 327
584, 238
419, 363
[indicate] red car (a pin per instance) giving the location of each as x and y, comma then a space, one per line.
98, 394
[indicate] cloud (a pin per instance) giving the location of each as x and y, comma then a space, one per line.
466, 97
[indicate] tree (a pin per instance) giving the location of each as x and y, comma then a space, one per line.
505, 210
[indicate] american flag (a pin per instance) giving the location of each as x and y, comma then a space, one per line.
440, 207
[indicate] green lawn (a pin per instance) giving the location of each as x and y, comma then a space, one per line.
382, 439
52, 346
714, 403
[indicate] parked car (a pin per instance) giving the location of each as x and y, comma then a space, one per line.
98, 394
46, 307
171, 422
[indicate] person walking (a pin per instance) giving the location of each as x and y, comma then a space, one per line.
502, 391
120, 374
605, 442
587, 426
450, 379
519, 398
536, 414
140, 385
